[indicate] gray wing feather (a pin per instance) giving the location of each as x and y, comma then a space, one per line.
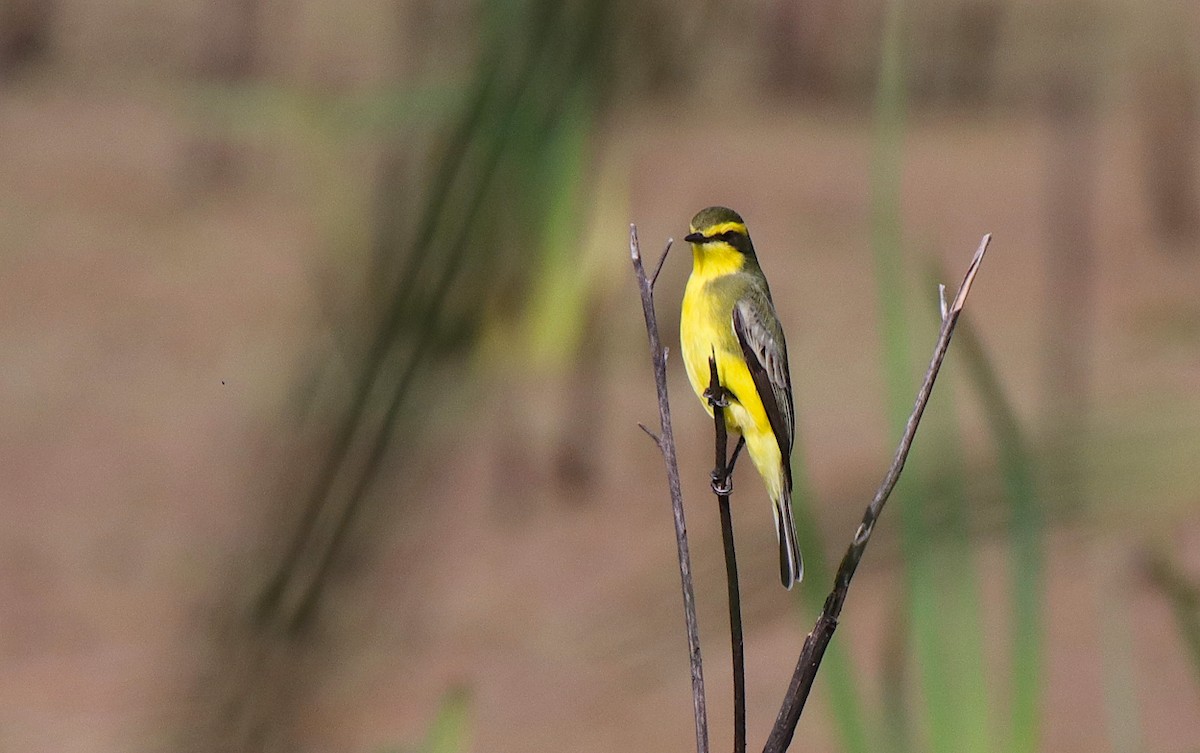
761, 337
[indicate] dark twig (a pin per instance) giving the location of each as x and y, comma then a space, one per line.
650, 433
658, 267
817, 641
737, 450
666, 444
1184, 597
722, 484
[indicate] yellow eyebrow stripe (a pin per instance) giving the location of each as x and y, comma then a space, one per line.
724, 227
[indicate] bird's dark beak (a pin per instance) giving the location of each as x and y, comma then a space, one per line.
694, 238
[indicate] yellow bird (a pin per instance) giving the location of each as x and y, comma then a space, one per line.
727, 312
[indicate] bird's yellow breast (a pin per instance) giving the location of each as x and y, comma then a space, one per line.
715, 260
706, 330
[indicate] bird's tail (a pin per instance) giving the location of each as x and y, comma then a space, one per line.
791, 564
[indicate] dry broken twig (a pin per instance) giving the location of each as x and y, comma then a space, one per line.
666, 444
817, 640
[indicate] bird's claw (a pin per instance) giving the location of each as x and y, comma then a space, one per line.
721, 487
716, 398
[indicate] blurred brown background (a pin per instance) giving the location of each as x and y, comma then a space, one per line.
321, 363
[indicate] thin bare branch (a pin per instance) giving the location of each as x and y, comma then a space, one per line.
661, 260
818, 640
667, 444
657, 439
969, 280
722, 484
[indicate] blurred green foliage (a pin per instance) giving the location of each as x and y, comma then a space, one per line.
957, 708
485, 250
457, 199
449, 731
496, 208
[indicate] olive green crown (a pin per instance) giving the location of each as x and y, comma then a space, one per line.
707, 218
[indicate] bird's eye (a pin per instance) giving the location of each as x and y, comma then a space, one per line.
729, 236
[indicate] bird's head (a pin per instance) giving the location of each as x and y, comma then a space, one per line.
720, 230
720, 243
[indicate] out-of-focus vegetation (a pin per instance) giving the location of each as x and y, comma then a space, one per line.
322, 366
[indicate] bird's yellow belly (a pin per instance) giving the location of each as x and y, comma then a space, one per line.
703, 333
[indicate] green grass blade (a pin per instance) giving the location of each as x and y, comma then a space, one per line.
1017, 474
948, 528
886, 171
448, 733
1116, 655
556, 313
897, 716
955, 719
845, 702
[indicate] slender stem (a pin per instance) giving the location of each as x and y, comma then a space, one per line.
666, 444
1184, 597
737, 450
822, 632
723, 486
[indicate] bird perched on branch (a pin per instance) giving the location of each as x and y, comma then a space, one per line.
728, 315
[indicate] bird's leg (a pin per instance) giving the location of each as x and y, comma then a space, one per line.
725, 486
717, 397
736, 452
722, 486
